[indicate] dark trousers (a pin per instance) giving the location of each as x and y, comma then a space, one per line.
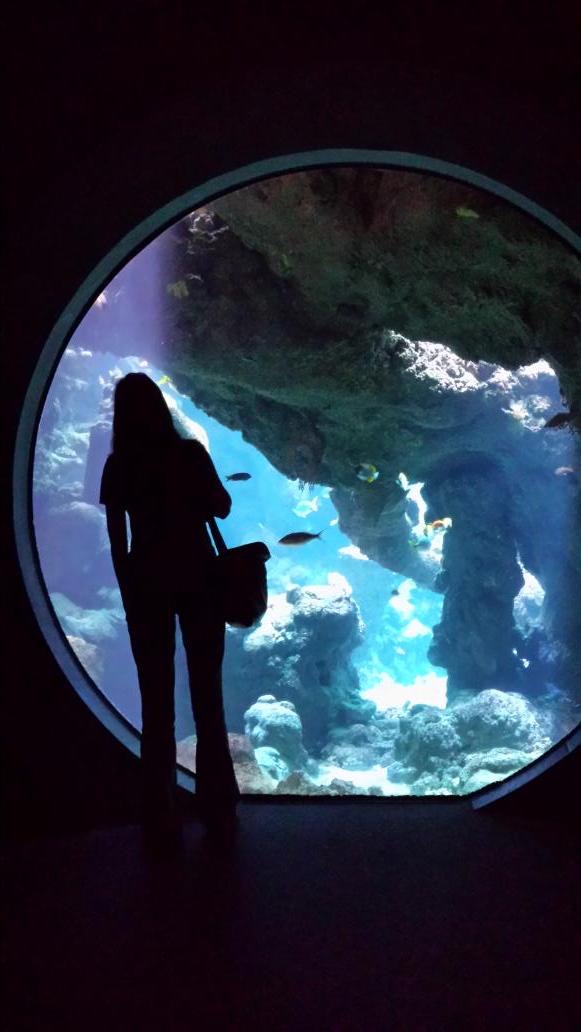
151, 622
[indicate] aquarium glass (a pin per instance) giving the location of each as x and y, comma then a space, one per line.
385, 356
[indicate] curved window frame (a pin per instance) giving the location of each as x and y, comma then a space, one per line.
75, 311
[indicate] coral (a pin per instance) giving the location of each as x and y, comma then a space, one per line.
270, 760
361, 746
398, 772
89, 655
276, 723
250, 777
93, 625
105, 651
501, 762
494, 718
302, 649
454, 750
299, 783
480, 779
72, 539
390, 251
426, 732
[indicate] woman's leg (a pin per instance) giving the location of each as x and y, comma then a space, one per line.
203, 636
151, 624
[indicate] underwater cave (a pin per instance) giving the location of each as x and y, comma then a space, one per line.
393, 357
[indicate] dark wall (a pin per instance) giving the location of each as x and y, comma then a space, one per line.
115, 110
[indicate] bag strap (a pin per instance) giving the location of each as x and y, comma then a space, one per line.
221, 546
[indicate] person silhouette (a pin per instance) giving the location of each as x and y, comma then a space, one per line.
169, 487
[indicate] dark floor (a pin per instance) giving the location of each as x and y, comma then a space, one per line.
331, 916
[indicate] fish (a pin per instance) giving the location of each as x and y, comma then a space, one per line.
367, 472
394, 591
567, 472
441, 524
333, 523
467, 213
561, 419
305, 508
178, 289
300, 537
165, 379
239, 476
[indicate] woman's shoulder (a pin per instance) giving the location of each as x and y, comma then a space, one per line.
192, 449
111, 465
191, 443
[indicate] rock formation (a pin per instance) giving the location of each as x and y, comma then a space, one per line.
276, 724
470, 744
299, 783
480, 577
363, 746
301, 652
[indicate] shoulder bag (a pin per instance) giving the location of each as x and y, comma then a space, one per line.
242, 579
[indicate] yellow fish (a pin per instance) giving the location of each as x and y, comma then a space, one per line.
367, 472
165, 379
467, 213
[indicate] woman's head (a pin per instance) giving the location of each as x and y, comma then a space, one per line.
141, 417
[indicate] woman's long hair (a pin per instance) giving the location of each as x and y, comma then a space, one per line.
141, 418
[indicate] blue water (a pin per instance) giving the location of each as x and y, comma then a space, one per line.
269, 506
396, 614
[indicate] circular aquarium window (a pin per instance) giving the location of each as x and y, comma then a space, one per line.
381, 353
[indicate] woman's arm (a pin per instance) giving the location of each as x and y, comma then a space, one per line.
221, 502
117, 530
215, 498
